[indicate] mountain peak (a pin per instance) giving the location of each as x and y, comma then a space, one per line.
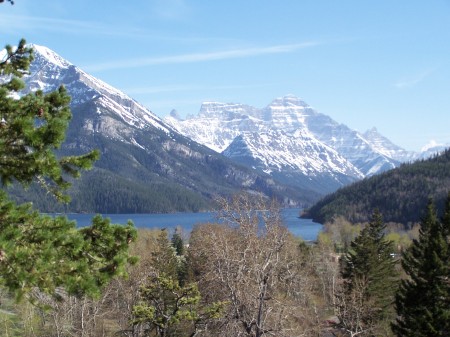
216, 109
288, 101
50, 56
174, 113
49, 71
285, 120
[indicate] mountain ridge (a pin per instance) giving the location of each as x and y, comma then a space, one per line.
398, 194
328, 147
138, 149
285, 150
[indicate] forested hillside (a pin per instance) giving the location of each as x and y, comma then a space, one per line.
399, 194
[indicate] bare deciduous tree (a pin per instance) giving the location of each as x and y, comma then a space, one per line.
252, 262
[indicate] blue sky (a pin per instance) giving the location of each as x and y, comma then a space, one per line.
378, 63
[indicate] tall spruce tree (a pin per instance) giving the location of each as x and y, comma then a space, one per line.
39, 251
423, 300
370, 279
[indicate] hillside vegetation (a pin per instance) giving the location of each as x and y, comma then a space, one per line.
398, 194
169, 176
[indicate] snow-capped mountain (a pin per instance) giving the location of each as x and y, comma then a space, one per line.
145, 165
49, 71
384, 146
290, 138
295, 158
287, 143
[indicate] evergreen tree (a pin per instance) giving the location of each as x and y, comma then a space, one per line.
39, 251
168, 305
164, 259
32, 127
365, 303
177, 242
169, 309
423, 300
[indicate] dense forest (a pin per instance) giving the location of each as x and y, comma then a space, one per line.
249, 277
398, 194
100, 191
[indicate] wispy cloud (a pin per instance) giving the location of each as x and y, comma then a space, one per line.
48, 24
199, 57
24, 21
188, 87
11, 23
160, 89
414, 80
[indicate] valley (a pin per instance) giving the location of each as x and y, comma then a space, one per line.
286, 150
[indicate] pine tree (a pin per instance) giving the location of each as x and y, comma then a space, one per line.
168, 305
365, 303
39, 251
32, 127
177, 242
423, 300
164, 259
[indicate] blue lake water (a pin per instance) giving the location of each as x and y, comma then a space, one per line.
304, 228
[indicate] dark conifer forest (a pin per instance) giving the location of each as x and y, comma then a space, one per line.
398, 194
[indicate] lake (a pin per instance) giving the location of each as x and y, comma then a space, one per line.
304, 228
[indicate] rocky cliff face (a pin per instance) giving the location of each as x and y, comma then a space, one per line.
290, 139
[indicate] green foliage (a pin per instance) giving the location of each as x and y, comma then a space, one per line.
177, 242
100, 191
45, 252
40, 251
164, 259
399, 193
165, 304
423, 300
341, 233
169, 306
370, 278
32, 127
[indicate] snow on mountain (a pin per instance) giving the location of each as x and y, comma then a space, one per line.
274, 140
145, 164
49, 71
275, 150
432, 149
287, 139
290, 136
382, 145
217, 124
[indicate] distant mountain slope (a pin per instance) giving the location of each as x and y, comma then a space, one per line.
399, 194
291, 141
296, 159
145, 165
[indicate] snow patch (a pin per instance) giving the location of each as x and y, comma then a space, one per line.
431, 144
134, 142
